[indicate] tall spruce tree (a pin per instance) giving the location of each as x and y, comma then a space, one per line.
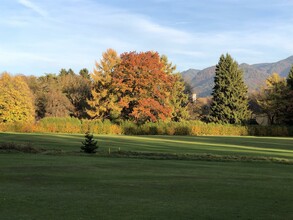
230, 101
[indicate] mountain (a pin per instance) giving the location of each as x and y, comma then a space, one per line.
202, 81
189, 74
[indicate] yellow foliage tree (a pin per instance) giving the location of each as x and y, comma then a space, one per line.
178, 99
16, 100
103, 103
271, 98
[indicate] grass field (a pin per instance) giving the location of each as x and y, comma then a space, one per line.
250, 146
66, 186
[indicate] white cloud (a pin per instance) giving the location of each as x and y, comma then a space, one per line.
30, 5
163, 32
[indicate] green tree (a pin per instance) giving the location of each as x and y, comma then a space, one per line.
290, 79
200, 109
104, 94
289, 99
89, 145
35, 87
179, 100
77, 89
52, 101
70, 72
178, 93
63, 72
271, 99
60, 95
84, 73
16, 99
230, 101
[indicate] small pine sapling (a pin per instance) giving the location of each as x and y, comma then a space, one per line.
89, 145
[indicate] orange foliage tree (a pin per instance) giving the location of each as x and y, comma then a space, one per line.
144, 87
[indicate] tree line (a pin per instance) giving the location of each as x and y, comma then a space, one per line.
132, 86
141, 87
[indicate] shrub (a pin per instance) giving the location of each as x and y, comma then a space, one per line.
129, 128
182, 130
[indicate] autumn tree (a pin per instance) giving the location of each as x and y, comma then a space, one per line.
35, 87
55, 101
136, 86
104, 94
60, 95
178, 95
271, 99
50, 99
16, 99
57, 104
200, 109
144, 87
230, 101
77, 89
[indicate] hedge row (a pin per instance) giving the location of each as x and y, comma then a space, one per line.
74, 125
64, 125
197, 128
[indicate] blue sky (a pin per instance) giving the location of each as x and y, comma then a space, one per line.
43, 36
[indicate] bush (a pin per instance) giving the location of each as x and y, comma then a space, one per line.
129, 128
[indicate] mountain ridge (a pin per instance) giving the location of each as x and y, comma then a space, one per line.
202, 81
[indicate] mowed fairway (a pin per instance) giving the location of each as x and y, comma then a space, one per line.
281, 147
66, 186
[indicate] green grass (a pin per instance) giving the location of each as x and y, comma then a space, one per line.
243, 146
77, 186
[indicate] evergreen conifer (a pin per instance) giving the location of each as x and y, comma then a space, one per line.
230, 101
89, 145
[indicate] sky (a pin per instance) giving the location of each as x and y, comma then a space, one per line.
43, 36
